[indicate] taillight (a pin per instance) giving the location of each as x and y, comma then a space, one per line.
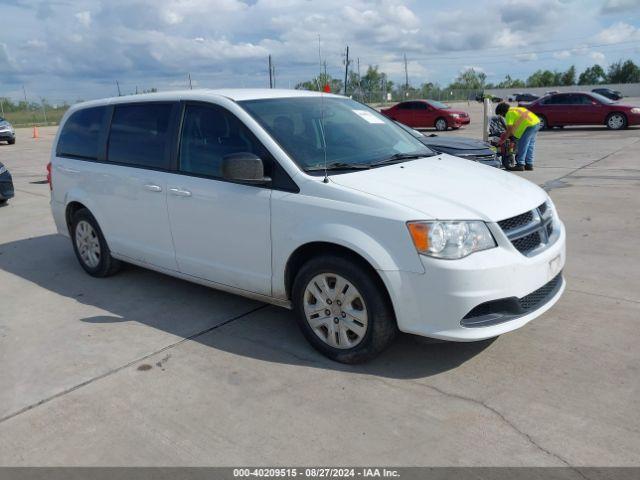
49, 176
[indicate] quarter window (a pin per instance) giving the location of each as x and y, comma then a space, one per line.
80, 136
209, 133
139, 135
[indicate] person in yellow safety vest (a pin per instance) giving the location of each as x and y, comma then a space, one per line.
523, 125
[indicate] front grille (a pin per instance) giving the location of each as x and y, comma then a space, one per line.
528, 243
506, 309
536, 299
515, 222
529, 231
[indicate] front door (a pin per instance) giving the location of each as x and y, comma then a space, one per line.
221, 230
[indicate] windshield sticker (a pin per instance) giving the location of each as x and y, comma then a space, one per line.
368, 116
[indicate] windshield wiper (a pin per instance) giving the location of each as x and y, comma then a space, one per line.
339, 166
401, 157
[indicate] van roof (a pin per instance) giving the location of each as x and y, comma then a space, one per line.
236, 94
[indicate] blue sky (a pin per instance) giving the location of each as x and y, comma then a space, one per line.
67, 50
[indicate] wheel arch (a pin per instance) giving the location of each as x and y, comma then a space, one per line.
306, 252
619, 112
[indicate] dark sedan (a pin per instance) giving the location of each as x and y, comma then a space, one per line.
607, 92
463, 147
6, 185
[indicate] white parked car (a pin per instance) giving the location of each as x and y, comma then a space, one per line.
308, 201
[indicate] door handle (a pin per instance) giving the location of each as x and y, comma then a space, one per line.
153, 188
179, 192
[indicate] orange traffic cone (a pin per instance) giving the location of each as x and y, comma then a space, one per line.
35, 132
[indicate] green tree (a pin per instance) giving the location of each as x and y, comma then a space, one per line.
627, 72
569, 77
469, 79
592, 76
509, 82
544, 78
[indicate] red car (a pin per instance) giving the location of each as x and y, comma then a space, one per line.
426, 114
583, 108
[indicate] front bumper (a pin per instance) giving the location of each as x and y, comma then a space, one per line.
633, 119
7, 135
435, 303
459, 122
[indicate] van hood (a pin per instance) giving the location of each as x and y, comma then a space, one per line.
448, 188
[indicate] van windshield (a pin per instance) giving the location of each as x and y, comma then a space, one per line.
355, 135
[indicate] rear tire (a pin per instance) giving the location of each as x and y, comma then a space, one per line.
90, 246
3, 202
441, 124
616, 121
343, 309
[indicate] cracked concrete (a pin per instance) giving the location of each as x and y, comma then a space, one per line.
142, 369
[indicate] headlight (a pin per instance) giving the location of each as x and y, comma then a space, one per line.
450, 239
635, 110
454, 115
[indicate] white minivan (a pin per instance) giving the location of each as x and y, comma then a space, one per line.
308, 201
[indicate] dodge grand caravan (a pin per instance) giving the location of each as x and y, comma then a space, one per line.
308, 201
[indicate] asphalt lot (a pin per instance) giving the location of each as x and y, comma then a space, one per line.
144, 369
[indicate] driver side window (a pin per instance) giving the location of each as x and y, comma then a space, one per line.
209, 133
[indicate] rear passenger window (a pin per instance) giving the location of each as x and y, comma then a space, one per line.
208, 134
139, 135
80, 134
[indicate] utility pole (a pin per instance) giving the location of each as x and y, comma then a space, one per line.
270, 73
25, 96
346, 71
118, 85
44, 111
2, 106
406, 77
190, 84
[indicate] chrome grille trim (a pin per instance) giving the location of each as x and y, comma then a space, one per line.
530, 232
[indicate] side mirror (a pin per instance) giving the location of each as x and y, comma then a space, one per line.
244, 167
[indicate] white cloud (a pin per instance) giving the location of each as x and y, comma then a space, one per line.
617, 6
618, 32
562, 55
526, 57
599, 57
84, 18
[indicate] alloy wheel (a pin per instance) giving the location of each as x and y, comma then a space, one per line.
88, 244
615, 121
441, 125
335, 310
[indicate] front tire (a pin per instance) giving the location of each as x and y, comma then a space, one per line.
343, 309
441, 124
90, 246
616, 121
12, 141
